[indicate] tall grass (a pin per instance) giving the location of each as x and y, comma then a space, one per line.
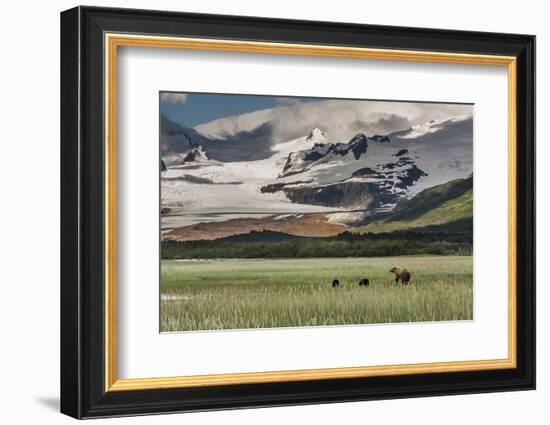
238, 294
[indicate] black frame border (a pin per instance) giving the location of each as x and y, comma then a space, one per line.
82, 206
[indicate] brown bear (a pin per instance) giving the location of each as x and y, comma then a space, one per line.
401, 274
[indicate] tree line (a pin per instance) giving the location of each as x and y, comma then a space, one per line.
346, 244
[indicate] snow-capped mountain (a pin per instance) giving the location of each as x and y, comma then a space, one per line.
321, 153
377, 188
180, 145
176, 140
250, 172
316, 135
430, 127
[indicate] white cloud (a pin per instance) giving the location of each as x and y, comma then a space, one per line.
173, 97
341, 119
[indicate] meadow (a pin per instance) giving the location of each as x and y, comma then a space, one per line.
271, 293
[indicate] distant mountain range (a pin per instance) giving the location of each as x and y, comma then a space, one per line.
412, 178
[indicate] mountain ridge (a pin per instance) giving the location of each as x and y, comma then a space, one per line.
444, 204
311, 173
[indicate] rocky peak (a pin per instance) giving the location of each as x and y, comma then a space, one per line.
316, 135
195, 154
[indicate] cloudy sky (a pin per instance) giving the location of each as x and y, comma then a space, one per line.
192, 109
226, 115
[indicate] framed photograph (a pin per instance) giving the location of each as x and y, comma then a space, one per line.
261, 212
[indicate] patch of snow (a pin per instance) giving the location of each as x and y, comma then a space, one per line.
282, 216
347, 218
431, 127
316, 135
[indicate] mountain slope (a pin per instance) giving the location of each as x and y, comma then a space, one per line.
176, 140
322, 153
449, 204
377, 188
253, 172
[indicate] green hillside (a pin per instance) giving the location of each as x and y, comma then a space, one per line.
446, 205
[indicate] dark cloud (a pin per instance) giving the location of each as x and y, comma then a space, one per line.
243, 146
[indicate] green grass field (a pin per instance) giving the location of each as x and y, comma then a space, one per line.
238, 294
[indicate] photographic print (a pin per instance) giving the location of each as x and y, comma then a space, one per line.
283, 211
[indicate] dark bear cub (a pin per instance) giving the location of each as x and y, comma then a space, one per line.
364, 282
335, 283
